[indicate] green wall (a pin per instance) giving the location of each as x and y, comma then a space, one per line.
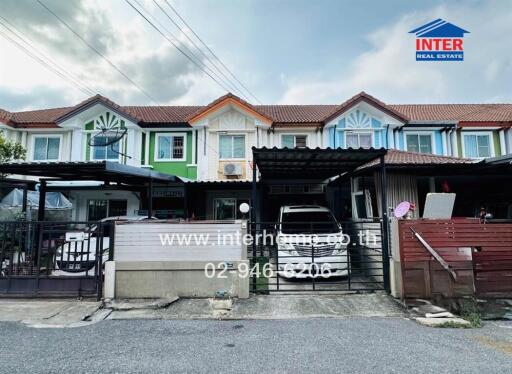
178, 168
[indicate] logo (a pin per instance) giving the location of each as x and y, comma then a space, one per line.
439, 41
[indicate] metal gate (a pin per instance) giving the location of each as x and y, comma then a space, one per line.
317, 260
53, 258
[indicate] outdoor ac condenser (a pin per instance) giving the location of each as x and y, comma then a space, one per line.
232, 169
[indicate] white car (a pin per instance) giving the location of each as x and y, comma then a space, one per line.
310, 243
77, 256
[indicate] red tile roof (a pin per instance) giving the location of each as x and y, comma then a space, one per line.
280, 115
363, 96
5, 117
163, 114
456, 112
297, 113
396, 158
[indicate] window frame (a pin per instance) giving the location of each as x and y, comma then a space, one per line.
489, 134
158, 135
215, 208
232, 158
418, 134
46, 136
238, 202
91, 150
107, 206
359, 132
294, 139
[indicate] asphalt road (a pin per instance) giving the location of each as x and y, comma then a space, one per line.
355, 345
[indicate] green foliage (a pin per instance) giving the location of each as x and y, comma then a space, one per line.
468, 310
11, 150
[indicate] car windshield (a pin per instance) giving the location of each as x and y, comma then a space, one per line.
308, 223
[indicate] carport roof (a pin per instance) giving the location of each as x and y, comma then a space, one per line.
106, 171
311, 163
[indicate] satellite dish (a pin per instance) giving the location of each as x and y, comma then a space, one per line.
402, 209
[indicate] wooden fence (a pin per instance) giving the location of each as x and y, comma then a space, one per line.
479, 254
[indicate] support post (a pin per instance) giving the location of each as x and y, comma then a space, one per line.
150, 198
385, 223
24, 204
42, 199
254, 197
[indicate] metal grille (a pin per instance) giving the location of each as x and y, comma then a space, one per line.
53, 258
358, 266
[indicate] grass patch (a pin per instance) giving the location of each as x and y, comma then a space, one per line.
261, 285
453, 325
468, 309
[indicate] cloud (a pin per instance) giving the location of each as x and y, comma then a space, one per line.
138, 51
35, 97
389, 71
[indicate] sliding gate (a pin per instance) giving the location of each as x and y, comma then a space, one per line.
314, 260
53, 258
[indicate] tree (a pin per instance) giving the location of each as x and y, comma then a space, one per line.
10, 151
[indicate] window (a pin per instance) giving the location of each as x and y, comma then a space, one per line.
224, 209
359, 140
100, 151
231, 146
477, 145
420, 143
228, 208
99, 209
294, 141
46, 148
170, 147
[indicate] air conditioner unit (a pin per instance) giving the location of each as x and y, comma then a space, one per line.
232, 169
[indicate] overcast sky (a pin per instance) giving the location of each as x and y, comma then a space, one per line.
293, 52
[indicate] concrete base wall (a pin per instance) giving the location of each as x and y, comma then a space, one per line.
185, 279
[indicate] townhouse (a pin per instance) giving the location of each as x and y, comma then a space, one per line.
210, 147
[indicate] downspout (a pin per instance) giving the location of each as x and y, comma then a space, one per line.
387, 136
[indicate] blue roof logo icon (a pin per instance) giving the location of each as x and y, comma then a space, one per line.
439, 29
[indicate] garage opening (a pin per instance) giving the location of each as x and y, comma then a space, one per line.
304, 235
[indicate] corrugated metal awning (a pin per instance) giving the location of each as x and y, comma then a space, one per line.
308, 163
107, 171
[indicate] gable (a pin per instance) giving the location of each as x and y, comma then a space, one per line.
227, 102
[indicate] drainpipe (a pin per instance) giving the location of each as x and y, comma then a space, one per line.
455, 147
387, 136
503, 145
335, 132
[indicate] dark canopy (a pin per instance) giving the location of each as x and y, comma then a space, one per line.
106, 171
307, 163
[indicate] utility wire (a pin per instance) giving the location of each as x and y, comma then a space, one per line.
42, 58
42, 62
210, 50
212, 63
97, 52
191, 54
173, 43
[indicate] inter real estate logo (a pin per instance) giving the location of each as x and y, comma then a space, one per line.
439, 41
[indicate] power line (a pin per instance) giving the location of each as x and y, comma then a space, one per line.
225, 77
213, 53
185, 48
176, 46
42, 62
97, 52
42, 58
